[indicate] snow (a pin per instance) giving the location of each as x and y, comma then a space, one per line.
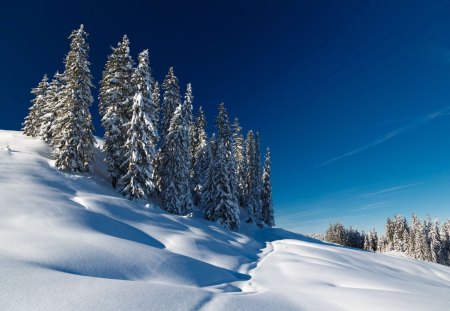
69, 242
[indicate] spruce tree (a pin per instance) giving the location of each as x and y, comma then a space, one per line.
32, 123
171, 100
142, 135
199, 159
241, 164
435, 243
266, 197
258, 182
225, 209
115, 105
173, 164
208, 184
156, 103
73, 144
53, 105
253, 180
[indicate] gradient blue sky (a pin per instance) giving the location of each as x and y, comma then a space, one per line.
353, 97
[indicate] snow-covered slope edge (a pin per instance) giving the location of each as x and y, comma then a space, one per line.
70, 242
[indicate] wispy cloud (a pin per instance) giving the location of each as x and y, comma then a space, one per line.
395, 188
372, 206
412, 125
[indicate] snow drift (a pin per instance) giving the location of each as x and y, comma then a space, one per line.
69, 242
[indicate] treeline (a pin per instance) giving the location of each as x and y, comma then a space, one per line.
153, 146
426, 240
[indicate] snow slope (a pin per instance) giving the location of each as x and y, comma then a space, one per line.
69, 242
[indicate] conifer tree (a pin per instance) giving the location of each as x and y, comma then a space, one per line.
258, 182
224, 208
445, 236
156, 103
32, 123
208, 184
53, 104
174, 165
171, 100
241, 165
115, 105
73, 144
435, 243
142, 137
401, 234
253, 180
200, 160
266, 197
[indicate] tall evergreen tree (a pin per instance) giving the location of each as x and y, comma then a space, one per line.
200, 160
266, 197
174, 165
171, 100
156, 99
401, 234
32, 123
115, 105
53, 104
208, 184
142, 136
73, 144
435, 243
258, 182
253, 180
224, 208
241, 164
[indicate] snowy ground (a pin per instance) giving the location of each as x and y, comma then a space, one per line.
70, 242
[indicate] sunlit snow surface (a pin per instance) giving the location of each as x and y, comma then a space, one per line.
69, 242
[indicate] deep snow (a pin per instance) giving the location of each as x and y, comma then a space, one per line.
69, 242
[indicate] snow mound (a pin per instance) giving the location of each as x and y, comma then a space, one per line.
70, 242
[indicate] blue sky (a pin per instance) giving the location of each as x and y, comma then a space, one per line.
353, 97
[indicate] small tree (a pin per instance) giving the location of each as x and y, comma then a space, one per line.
266, 197
32, 123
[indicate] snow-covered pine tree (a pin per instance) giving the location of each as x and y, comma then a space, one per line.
266, 196
258, 188
401, 234
435, 243
225, 209
171, 100
32, 124
389, 233
142, 135
115, 105
241, 163
253, 180
445, 236
156, 103
174, 163
208, 184
53, 104
200, 160
73, 144
188, 100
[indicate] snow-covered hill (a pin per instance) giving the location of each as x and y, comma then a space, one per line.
70, 242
